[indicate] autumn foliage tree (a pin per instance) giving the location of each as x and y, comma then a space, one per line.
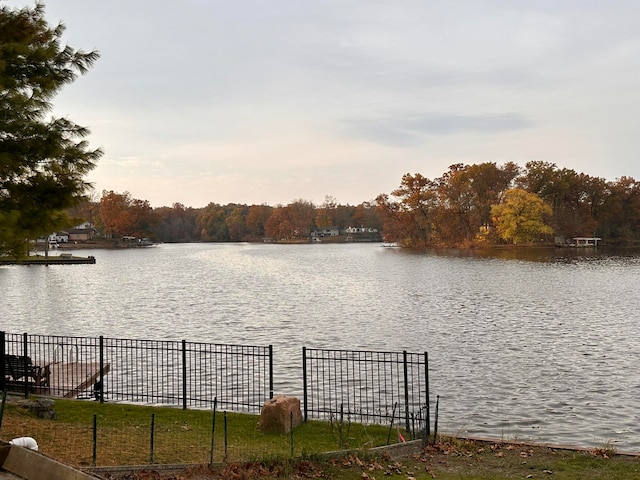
291, 222
619, 214
236, 223
325, 215
520, 218
575, 198
176, 223
257, 217
121, 214
408, 216
465, 195
446, 211
465, 206
212, 223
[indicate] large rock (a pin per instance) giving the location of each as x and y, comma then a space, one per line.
276, 415
42, 407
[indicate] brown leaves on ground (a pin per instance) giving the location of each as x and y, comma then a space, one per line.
232, 471
450, 456
383, 465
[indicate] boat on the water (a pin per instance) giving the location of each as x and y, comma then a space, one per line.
129, 241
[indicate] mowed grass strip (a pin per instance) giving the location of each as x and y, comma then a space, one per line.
184, 437
123, 435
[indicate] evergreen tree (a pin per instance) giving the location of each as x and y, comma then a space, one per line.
42, 160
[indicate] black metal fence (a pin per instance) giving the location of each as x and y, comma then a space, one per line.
175, 373
367, 387
361, 386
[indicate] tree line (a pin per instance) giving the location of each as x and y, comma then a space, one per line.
469, 205
492, 204
119, 214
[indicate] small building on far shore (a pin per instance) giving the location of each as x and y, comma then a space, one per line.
586, 241
81, 234
578, 242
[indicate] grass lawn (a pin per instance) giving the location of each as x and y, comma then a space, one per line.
184, 437
124, 435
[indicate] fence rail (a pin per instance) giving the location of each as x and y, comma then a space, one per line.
361, 386
177, 373
338, 385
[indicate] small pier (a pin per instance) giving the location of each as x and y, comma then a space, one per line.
69, 380
585, 241
63, 259
59, 379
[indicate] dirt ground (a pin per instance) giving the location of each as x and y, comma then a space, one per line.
450, 459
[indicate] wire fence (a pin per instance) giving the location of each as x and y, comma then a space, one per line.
144, 436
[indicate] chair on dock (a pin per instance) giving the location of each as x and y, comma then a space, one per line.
20, 370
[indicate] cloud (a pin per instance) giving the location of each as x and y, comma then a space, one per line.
254, 101
412, 130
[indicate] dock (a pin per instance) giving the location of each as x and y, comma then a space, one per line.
68, 380
61, 379
63, 259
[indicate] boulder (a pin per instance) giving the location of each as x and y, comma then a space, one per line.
42, 407
277, 414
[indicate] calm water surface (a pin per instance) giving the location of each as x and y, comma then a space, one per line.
540, 348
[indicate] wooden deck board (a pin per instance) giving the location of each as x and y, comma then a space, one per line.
69, 379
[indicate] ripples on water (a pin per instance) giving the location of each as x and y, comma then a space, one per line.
541, 347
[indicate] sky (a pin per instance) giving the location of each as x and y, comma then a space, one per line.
255, 102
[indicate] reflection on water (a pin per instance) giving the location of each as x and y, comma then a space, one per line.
536, 344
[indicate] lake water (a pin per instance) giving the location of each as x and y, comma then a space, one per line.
539, 345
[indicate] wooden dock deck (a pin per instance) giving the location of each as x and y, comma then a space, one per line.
62, 259
58, 379
69, 379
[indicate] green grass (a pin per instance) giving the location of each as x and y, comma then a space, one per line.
184, 437
179, 436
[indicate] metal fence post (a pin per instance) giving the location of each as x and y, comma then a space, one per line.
406, 390
101, 390
226, 436
435, 426
213, 430
4, 401
426, 376
95, 439
25, 359
270, 371
304, 381
3, 371
291, 431
184, 374
153, 424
